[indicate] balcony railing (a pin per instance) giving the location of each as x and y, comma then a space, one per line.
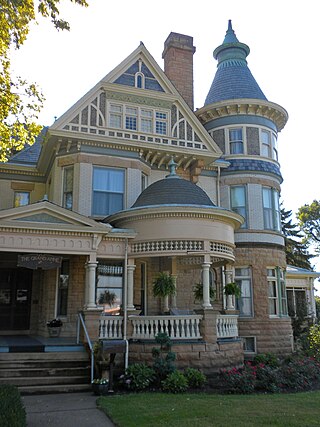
227, 326
176, 327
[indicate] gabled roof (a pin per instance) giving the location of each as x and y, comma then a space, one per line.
45, 215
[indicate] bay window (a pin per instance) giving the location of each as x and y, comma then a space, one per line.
271, 208
236, 141
108, 191
238, 201
243, 280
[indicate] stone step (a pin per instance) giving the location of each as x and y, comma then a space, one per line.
45, 381
40, 371
63, 355
42, 364
55, 388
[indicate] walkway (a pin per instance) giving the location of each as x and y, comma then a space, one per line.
64, 410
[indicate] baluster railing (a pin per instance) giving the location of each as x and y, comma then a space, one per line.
110, 327
227, 326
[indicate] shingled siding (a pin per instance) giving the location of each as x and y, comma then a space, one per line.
253, 144
273, 334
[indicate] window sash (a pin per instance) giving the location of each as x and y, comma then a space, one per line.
21, 198
108, 191
271, 209
238, 202
244, 302
236, 141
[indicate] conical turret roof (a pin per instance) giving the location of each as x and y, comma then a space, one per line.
233, 79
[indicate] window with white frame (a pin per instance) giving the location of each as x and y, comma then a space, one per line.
297, 302
108, 191
109, 286
238, 201
269, 145
272, 292
243, 280
277, 292
271, 208
68, 187
144, 181
137, 118
21, 198
236, 141
249, 344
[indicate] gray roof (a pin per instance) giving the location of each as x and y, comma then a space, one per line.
173, 190
233, 79
29, 155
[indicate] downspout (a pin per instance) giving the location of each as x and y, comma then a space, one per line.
125, 312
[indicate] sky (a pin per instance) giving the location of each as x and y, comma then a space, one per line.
283, 38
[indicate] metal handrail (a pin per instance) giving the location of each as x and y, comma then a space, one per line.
80, 321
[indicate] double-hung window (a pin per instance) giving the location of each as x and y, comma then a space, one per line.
243, 280
236, 141
108, 191
21, 198
161, 123
131, 118
277, 292
115, 116
271, 208
68, 187
238, 201
269, 145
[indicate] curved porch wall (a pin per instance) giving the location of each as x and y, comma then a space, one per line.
181, 228
272, 334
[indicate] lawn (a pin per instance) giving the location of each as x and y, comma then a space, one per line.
213, 410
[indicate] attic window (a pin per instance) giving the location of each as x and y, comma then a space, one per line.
139, 80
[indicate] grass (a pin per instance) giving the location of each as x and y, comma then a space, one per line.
213, 410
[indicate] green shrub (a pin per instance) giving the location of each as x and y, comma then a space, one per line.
138, 377
175, 382
12, 411
268, 359
195, 378
163, 358
313, 340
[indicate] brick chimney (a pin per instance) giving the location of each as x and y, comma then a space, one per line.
178, 64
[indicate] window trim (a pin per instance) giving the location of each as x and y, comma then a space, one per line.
15, 194
245, 207
243, 141
281, 293
273, 211
64, 192
238, 278
157, 122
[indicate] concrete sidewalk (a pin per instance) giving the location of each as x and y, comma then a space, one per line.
64, 410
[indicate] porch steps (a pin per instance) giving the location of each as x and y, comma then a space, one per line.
46, 372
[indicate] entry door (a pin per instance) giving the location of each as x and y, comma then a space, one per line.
15, 298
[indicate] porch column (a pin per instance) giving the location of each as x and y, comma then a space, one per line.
90, 302
230, 299
206, 285
130, 285
174, 275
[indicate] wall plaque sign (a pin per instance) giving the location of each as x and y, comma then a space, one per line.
44, 261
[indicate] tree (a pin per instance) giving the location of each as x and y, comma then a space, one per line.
20, 101
296, 248
309, 221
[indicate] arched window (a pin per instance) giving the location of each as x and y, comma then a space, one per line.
139, 80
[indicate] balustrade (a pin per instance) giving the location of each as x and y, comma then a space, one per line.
227, 326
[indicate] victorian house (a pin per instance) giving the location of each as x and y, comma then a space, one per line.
131, 182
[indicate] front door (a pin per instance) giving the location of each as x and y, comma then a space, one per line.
15, 298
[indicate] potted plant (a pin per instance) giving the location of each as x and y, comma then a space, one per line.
100, 386
232, 289
163, 286
54, 327
198, 292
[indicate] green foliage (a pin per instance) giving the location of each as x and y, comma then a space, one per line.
198, 292
195, 378
12, 412
164, 285
309, 221
20, 101
296, 248
268, 359
317, 299
313, 340
163, 358
295, 374
232, 289
138, 377
175, 382
107, 297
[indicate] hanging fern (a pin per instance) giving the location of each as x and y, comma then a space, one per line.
164, 285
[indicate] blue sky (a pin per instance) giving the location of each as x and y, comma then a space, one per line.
283, 39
